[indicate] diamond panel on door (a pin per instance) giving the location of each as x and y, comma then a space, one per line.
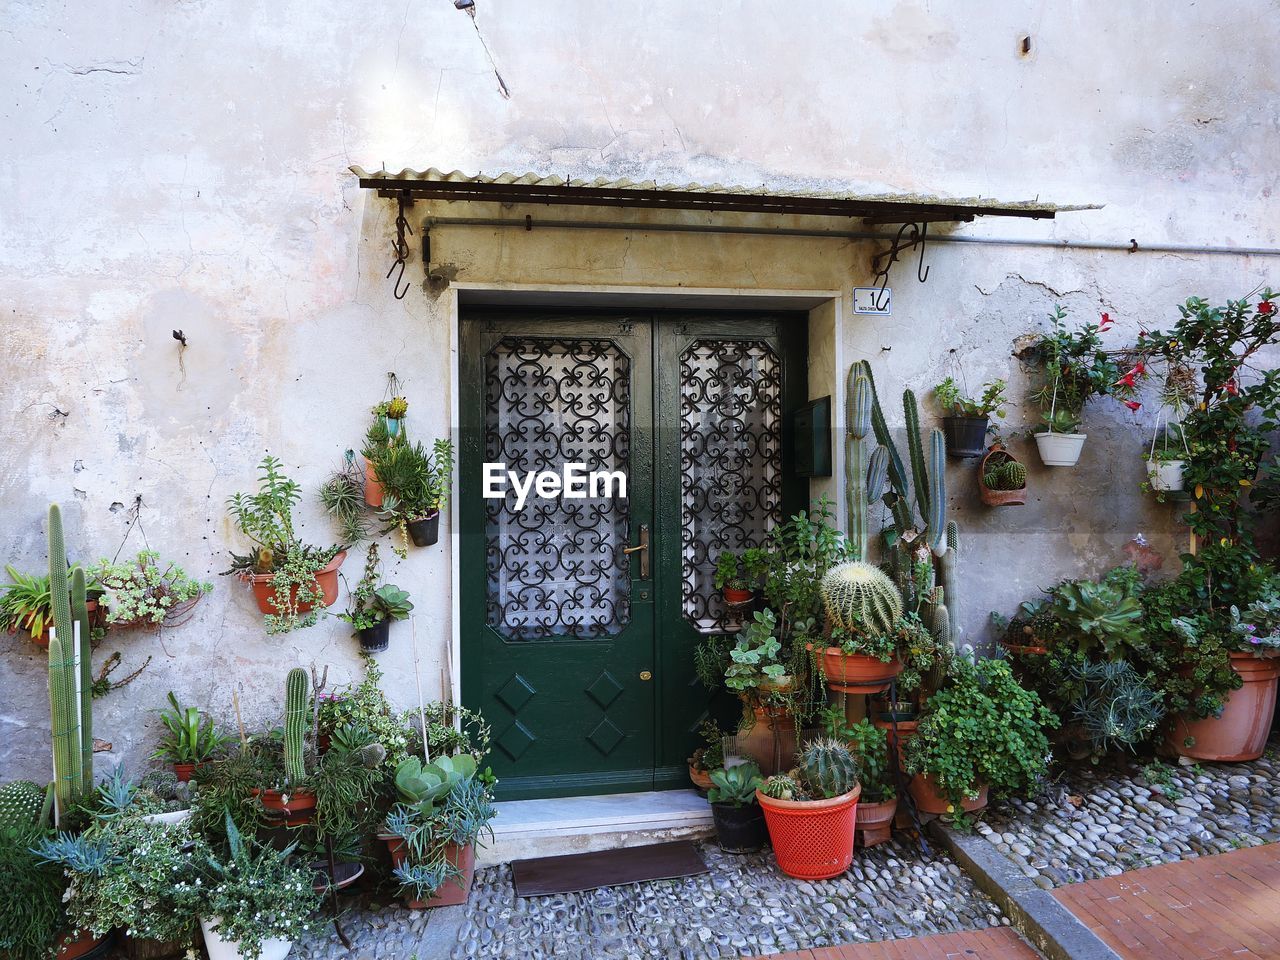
730, 462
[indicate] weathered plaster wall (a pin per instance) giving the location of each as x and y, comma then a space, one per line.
184, 166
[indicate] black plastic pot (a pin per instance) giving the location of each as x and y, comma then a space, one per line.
426, 531
377, 637
966, 436
739, 829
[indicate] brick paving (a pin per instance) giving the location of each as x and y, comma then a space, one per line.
1226, 905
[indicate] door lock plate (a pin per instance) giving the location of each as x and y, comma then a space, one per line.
646, 675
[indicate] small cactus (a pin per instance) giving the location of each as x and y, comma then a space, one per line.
827, 768
1009, 475
860, 597
781, 787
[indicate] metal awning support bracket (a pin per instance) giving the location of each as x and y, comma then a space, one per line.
909, 235
400, 247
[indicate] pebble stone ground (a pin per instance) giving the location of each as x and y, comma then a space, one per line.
743, 907
1099, 822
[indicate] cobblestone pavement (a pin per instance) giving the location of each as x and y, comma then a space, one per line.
743, 907
1099, 822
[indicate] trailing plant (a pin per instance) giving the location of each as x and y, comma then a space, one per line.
372, 602
146, 591
958, 404
189, 739
349, 784
255, 892
265, 517
755, 660
735, 786
981, 728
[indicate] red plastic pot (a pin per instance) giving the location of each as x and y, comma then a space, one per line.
857, 672
737, 598
812, 839
1240, 733
924, 791
456, 890
293, 807
326, 582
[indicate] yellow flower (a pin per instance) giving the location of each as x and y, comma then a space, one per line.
1245, 483
1199, 492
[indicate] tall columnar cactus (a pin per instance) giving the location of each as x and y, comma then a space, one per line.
936, 516
947, 568
858, 462
70, 678
859, 596
21, 803
915, 450
296, 687
828, 768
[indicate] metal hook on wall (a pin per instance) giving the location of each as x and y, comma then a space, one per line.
400, 246
922, 271
909, 235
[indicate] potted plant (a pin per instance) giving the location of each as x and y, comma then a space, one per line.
291, 798
869, 745
735, 575
756, 671
416, 484
145, 592
811, 811
26, 605
708, 757
863, 610
291, 580
189, 741
967, 420
32, 910
981, 730
1003, 480
343, 497
739, 821
444, 808
1166, 460
374, 606
253, 902
1076, 369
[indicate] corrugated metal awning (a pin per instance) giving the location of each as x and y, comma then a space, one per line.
434, 184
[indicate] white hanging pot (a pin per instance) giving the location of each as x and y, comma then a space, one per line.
1165, 475
1060, 449
220, 949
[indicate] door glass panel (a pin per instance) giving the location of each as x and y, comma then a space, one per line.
556, 568
730, 462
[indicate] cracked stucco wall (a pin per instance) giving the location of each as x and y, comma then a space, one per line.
184, 167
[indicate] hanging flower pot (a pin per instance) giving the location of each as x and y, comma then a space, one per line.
264, 590
929, 799
373, 492
1002, 479
812, 839
1240, 732
1165, 476
966, 436
857, 672
376, 638
425, 531
1060, 449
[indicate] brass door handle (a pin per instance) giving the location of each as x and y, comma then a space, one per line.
643, 549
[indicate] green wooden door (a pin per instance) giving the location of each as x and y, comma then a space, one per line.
579, 653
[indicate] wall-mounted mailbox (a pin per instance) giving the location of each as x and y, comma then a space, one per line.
811, 426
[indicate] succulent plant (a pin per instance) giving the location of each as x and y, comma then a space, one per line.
1009, 475
21, 804
735, 786
860, 597
827, 768
296, 694
781, 787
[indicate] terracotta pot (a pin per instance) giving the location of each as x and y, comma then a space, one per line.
294, 808
1241, 732
1025, 649
701, 779
373, 492
966, 436
812, 839
874, 822
999, 498
183, 771
455, 890
326, 580
857, 672
906, 729
737, 598
97, 618
771, 742
79, 943
924, 791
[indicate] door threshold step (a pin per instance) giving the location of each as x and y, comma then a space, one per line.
553, 827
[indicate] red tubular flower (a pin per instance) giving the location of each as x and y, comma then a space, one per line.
1106, 321
1141, 367
1265, 307
1126, 380
1133, 404
1232, 389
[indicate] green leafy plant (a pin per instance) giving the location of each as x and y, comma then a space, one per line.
256, 892
711, 755
735, 786
870, 746
957, 404
32, 912
1076, 369
372, 602
1103, 615
146, 591
415, 482
738, 572
26, 603
755, 658
189, 739
342, 495
981, 728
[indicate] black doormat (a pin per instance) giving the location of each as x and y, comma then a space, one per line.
606, 868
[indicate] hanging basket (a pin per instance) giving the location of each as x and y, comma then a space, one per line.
998, 456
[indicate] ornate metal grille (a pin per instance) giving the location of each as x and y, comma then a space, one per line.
556, 568
730, 462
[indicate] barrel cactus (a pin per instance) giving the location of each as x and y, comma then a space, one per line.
1009, 475
296, 689
860, 597
21, 804
781, 787
828, 768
